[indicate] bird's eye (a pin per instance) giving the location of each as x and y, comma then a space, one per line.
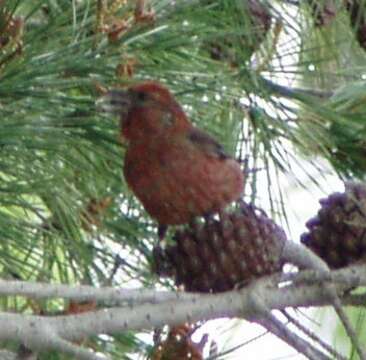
141, 96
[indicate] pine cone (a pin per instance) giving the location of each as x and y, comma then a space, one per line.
338, 233
223, 254
357, 14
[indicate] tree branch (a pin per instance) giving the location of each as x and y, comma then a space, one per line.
303, 257
264, 317
141, 309
313, 336
292, 92
37, 332
280, 330
84, 293
352, 276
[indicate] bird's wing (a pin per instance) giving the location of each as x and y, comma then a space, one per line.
207, 144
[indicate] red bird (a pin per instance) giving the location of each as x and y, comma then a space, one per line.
176, 170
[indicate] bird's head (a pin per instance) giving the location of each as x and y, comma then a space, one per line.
146, 109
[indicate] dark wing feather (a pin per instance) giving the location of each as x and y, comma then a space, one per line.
207, 143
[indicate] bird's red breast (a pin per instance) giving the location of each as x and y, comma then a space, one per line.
177, 171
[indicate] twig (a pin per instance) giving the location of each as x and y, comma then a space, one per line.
303, 257
138, 316
349, 328
77, 351
293, 93
313, 336
85, 293
275, 326
352, 276
234, 348
355, 300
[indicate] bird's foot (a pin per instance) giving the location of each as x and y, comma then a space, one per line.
162, 229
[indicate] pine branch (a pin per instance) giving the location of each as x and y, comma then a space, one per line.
307, 259
292, 92
45, 332
88, 293
303, 347
313, 336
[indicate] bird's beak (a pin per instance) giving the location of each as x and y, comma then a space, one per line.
115, 101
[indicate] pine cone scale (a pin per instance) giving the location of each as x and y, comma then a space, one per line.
338, 233
223, 254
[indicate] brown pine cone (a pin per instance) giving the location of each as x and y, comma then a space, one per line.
223, 254
338, 233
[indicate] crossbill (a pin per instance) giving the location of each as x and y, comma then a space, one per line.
176, 170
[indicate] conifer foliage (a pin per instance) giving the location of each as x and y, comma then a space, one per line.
280, 83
